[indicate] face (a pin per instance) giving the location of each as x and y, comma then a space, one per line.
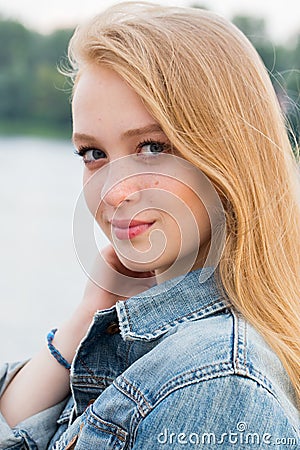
139, 191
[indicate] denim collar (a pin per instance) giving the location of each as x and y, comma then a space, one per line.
154, 312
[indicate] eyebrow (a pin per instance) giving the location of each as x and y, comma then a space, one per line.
151, 128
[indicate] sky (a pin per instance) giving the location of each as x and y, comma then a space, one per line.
282, 16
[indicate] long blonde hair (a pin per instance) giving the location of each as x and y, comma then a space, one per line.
205, 84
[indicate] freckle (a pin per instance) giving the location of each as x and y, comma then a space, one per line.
156, 183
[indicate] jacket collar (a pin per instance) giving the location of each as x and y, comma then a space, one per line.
154, 312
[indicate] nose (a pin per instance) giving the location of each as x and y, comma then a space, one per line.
114, 194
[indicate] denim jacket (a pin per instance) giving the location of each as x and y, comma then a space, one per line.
174, 367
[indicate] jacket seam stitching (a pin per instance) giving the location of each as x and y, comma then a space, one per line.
254, 375
121, 385
239, 343
143, 413
90, 372
214, 307
220, 375
120, 433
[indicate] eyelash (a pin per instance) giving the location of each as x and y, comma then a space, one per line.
84, 149
165, 146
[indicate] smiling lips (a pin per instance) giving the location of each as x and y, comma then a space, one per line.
128, 229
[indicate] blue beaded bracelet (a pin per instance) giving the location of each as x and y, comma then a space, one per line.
54, 352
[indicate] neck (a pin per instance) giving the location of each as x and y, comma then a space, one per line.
180, 267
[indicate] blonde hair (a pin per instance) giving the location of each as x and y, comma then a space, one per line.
205, 84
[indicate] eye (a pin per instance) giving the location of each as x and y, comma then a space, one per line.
90, 155
152, 147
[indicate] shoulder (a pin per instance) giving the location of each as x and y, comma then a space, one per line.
220, 359
197, 350
224, 411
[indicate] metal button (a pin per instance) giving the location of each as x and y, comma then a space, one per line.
113, 328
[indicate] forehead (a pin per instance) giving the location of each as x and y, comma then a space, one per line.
105, 106
101, 87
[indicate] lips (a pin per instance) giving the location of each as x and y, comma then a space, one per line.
128, 229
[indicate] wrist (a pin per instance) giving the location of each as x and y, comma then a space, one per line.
55, 352
70, 333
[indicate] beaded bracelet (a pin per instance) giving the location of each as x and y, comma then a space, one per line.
54, 352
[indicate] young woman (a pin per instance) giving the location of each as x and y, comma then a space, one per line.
189, 330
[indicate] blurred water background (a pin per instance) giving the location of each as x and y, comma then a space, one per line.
41, 280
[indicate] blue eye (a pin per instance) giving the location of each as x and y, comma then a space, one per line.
94, 154
152, 147
90, 154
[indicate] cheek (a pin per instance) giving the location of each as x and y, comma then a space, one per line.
193, 217
92, 192
199, 212
203, 222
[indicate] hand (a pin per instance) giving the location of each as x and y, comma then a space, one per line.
111, 281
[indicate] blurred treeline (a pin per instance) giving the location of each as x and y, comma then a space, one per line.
35, 97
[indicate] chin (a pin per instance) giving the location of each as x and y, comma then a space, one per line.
136, 266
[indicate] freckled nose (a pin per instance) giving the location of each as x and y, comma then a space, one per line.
125, 191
